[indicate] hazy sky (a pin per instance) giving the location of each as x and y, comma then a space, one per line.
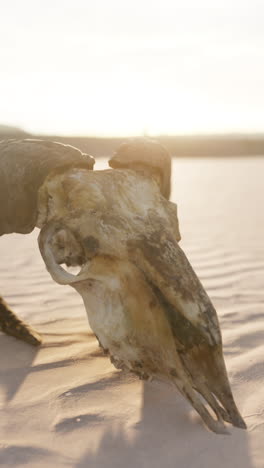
128, 67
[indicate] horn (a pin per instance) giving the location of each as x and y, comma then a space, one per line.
47, 234
147, 156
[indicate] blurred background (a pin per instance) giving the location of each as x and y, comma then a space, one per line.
190, 73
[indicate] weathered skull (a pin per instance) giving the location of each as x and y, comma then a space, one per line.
143, 299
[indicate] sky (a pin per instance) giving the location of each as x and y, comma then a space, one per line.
120, 67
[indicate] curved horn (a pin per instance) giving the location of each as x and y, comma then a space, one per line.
58, 273
147, 156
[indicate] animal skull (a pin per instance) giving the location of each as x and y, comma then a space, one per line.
143, 299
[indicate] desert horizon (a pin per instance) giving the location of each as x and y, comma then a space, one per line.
196, 145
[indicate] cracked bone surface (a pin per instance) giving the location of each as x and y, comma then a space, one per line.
143, 299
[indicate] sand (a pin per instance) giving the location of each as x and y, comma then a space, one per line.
65, 405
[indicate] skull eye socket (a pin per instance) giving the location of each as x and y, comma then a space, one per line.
58, 245
67, 250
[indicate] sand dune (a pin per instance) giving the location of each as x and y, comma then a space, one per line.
65, 405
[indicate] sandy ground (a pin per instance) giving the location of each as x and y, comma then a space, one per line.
65, 405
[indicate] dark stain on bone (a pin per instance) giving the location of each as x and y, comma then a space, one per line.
91, 246
152, 303
174, 373
138, 364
